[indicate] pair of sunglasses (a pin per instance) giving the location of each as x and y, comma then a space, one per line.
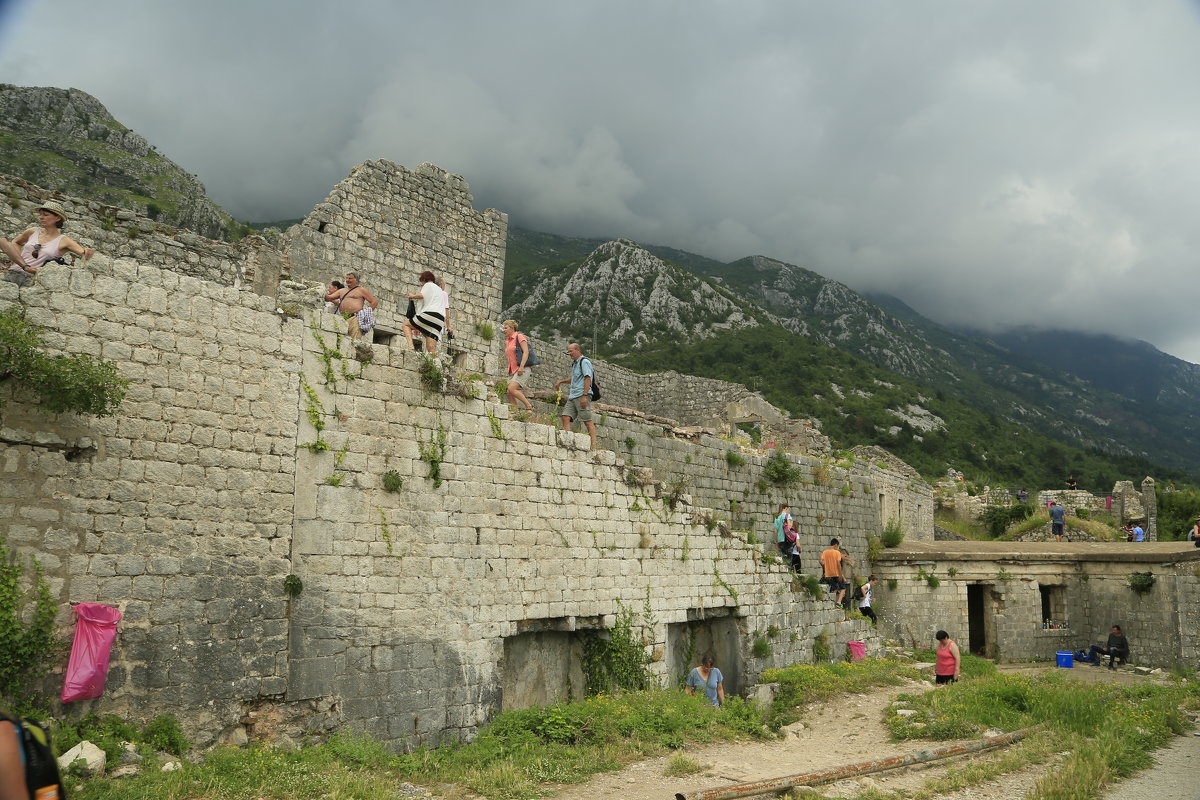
37, 248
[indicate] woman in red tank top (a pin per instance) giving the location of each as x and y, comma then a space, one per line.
948, 661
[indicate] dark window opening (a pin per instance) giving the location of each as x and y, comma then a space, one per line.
1054, 604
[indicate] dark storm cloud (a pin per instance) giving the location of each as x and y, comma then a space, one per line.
995, 163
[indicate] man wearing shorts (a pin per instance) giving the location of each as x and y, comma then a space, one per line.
579, 396
831, 562
1057, 515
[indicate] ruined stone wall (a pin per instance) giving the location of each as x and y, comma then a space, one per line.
189, 508
390, 224
1084, 596
178, 510
686, 399
119, 233
414, 601
251, 448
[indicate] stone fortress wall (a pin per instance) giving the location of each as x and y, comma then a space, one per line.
1021, 602
1124, 503
423, 611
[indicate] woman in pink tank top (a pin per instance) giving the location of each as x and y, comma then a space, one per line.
946, 669
46, 242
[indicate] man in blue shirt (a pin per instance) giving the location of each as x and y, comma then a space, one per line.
1057, 513
579, 396
1139, 535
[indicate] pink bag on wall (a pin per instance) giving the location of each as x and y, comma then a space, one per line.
88, 668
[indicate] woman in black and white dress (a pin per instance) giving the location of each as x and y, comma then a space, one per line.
430, 318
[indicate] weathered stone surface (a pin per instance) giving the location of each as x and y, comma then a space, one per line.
191, 507
90, 754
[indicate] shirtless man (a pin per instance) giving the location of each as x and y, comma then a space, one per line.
349, 301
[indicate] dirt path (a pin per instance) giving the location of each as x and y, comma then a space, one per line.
849, 729
1175, 774
846, 730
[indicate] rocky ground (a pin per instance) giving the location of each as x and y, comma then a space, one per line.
849, 729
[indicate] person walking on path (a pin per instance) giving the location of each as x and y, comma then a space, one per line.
831, 563
948, 663
579, 395
1057, 514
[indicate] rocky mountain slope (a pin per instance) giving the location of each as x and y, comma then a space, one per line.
620, 297
1008, 386
66, 140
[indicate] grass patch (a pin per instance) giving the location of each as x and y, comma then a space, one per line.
964, 528
893, 534
511, 759
972, 666
679, 766
1097, 528
801, 684
1038, 519
1102, 531
1110, 729
1035, 749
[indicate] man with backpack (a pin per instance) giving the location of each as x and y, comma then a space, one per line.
28, 770
582, 392
863, 595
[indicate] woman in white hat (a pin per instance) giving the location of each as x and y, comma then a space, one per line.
46, 242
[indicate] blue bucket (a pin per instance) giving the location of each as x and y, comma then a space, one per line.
1065, 658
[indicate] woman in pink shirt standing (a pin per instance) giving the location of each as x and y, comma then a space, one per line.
948, 664
46, 242
518, 373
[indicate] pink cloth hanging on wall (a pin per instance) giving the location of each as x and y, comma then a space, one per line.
95, 629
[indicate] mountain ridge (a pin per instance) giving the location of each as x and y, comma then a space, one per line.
1012, 387
66, 140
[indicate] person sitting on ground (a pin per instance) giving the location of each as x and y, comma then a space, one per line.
831, 563
518, 373
37, 246
864, 599
430, 319
1116, 647
710, 678
350, 300
948, 661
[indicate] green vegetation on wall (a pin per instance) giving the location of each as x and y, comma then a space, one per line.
60, 383
28, 645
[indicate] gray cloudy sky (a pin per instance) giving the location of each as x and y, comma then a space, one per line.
993, 162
